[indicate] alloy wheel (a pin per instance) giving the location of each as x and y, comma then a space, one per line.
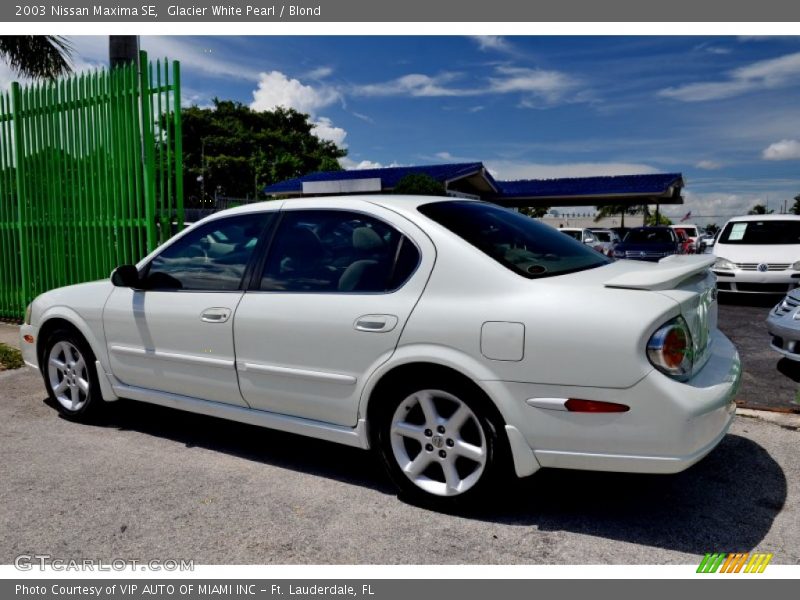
438, 442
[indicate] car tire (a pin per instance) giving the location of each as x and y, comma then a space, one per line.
69, 375
441, 443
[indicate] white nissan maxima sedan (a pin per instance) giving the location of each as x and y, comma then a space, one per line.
457, 339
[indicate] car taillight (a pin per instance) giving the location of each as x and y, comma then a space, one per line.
670, 349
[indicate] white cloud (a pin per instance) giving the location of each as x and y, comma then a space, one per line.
350, 165
319, 73
765, 74
714, 207
549, 85
276, 89
324, 129
444, 155
783, 150
708, 165
416, 85
363, 117
492, 42
532, 84
198, 57
511, 170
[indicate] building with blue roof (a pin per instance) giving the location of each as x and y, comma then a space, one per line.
473, 180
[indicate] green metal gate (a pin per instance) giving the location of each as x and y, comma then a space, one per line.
91, 176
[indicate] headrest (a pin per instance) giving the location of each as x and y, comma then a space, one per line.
366, 240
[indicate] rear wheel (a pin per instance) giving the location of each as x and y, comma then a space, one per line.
439, 443
69, 375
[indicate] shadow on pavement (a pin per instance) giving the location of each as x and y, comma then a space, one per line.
754, 300
789, 368
725, 503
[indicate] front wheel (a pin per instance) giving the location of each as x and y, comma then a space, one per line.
70, 376
439, 443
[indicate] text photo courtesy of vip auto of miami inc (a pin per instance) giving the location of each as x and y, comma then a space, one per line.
399, 300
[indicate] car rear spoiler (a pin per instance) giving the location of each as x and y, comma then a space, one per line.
664, 275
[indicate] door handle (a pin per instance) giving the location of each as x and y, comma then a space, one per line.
215, 315
375, 323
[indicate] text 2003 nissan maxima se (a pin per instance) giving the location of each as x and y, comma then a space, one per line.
456, 338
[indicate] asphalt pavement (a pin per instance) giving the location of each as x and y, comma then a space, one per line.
769, 381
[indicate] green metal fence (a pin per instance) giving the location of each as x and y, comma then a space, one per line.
91, 176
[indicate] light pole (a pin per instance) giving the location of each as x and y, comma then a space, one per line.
123, 50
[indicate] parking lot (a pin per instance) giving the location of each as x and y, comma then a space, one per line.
150, 482
768, 380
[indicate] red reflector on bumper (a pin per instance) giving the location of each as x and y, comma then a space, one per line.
28, 338
594, 406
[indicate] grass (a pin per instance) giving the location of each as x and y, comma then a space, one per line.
10, 358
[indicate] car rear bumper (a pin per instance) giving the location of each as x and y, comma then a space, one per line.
670, 425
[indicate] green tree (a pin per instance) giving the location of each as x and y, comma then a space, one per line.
759, 209
419, 184
795, 210
650, 219
238, 151
36, 56
537, 212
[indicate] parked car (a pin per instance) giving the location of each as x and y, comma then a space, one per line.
686, 246
692, 232
648, 243
783, 324
607, 239
458, 340
583, 235
758, 254
706, 241
620, 231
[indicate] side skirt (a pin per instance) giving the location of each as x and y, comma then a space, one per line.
349, 436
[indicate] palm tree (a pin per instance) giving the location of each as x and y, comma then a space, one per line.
37, 56
611, 210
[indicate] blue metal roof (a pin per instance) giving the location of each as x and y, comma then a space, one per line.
389, 176
654, 184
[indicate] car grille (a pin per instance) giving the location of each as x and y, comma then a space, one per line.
645, 254
770, 266
788, 304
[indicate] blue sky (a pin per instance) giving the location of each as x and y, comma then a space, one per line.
723, 111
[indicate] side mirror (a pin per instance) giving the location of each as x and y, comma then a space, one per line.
126, 276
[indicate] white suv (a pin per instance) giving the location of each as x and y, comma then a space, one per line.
758, 254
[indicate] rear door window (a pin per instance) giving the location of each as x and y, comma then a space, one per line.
337, 251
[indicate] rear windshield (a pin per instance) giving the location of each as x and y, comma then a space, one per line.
648, 236
572, 233
689, 231
517, 242
761, 233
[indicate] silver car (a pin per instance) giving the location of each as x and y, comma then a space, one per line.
783, 324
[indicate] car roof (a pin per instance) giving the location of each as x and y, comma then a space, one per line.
387, 201
771, 217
